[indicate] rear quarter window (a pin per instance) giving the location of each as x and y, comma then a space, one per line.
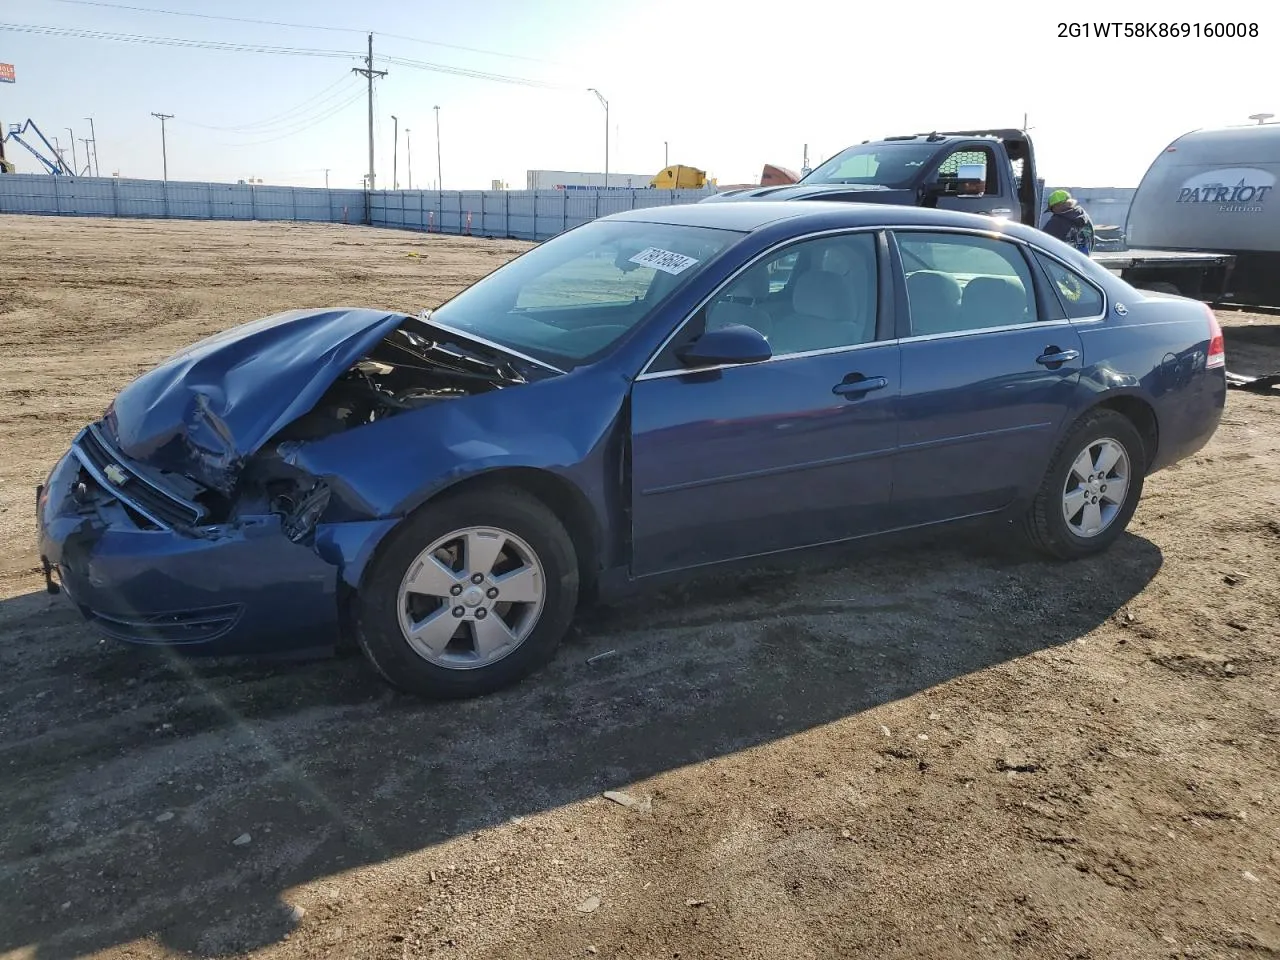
1079, 298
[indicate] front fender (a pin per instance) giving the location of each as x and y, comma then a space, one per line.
566, 426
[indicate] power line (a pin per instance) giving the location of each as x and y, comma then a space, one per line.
78, 33
476, 74
308, 125
299, 26
328, 95
454, 46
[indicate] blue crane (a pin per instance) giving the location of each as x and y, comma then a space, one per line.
57, 166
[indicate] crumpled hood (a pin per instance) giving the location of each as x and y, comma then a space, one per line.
208, 407
847, 192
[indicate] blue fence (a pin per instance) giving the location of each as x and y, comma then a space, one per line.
519, 214
114, 197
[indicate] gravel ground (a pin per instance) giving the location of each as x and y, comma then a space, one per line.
948, 750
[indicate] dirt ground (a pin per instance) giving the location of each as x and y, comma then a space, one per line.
943, 750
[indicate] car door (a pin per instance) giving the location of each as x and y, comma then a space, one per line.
742, 460
990, 366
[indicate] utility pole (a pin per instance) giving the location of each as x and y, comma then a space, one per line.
62, 158
395, 151
666, 154
97, 170
369, 73
75, 160
326, 178
439, 175
408, 149
605, 104
88, 163
164, 146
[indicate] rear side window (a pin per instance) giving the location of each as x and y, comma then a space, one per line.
1079, 298
964, 282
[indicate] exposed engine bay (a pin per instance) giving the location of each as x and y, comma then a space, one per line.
411, 367
405, 371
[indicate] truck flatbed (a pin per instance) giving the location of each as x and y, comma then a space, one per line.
1127, 259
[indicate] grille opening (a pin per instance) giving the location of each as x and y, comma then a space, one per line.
154, 507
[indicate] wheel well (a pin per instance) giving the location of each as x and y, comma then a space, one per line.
1143, 417
561, 497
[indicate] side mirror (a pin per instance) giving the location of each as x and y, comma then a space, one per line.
970, 181
731, 344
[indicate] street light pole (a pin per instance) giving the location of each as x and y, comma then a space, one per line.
164, 148
395, 150
439, 175
408, 149
605, 104
93, 138
75, 160
666, 154
57, 148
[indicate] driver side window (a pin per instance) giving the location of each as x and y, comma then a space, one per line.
971, 157
818, 294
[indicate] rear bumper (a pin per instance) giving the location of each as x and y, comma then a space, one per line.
1189, 418
241, 588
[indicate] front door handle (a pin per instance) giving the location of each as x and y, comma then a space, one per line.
855, 385
1055, 357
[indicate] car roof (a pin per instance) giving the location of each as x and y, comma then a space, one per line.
746, 216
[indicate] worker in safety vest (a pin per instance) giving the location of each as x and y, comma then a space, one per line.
1068, 222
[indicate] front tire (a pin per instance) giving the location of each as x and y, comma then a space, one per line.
470, 595
1091, 489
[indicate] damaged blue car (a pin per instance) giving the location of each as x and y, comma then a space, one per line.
643, 397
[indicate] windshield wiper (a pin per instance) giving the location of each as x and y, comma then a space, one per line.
457, 358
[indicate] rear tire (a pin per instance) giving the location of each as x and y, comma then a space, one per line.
446, 638
1100, 439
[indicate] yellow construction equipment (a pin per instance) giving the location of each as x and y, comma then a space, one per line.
680, 177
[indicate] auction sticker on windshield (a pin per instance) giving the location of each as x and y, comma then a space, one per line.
664, 260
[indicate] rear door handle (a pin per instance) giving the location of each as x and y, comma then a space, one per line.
855, 385
1056, 356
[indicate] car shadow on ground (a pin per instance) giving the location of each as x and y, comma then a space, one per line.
128, 778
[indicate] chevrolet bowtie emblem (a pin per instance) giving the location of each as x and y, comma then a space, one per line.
115, 474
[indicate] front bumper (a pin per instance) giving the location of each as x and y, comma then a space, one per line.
237, 588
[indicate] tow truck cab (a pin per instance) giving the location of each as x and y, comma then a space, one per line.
989, 172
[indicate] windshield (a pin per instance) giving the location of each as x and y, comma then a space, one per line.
571, 298
884, 164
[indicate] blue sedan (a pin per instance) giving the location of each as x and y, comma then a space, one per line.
639, 399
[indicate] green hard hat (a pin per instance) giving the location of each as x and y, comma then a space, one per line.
1057, 197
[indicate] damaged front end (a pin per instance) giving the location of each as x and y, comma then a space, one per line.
183, 515
234, 454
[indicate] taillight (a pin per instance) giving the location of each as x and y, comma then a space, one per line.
1217, 345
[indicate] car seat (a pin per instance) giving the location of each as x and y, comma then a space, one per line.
993, 302
822, 315
934, 298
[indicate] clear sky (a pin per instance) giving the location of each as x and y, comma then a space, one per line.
729, 88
